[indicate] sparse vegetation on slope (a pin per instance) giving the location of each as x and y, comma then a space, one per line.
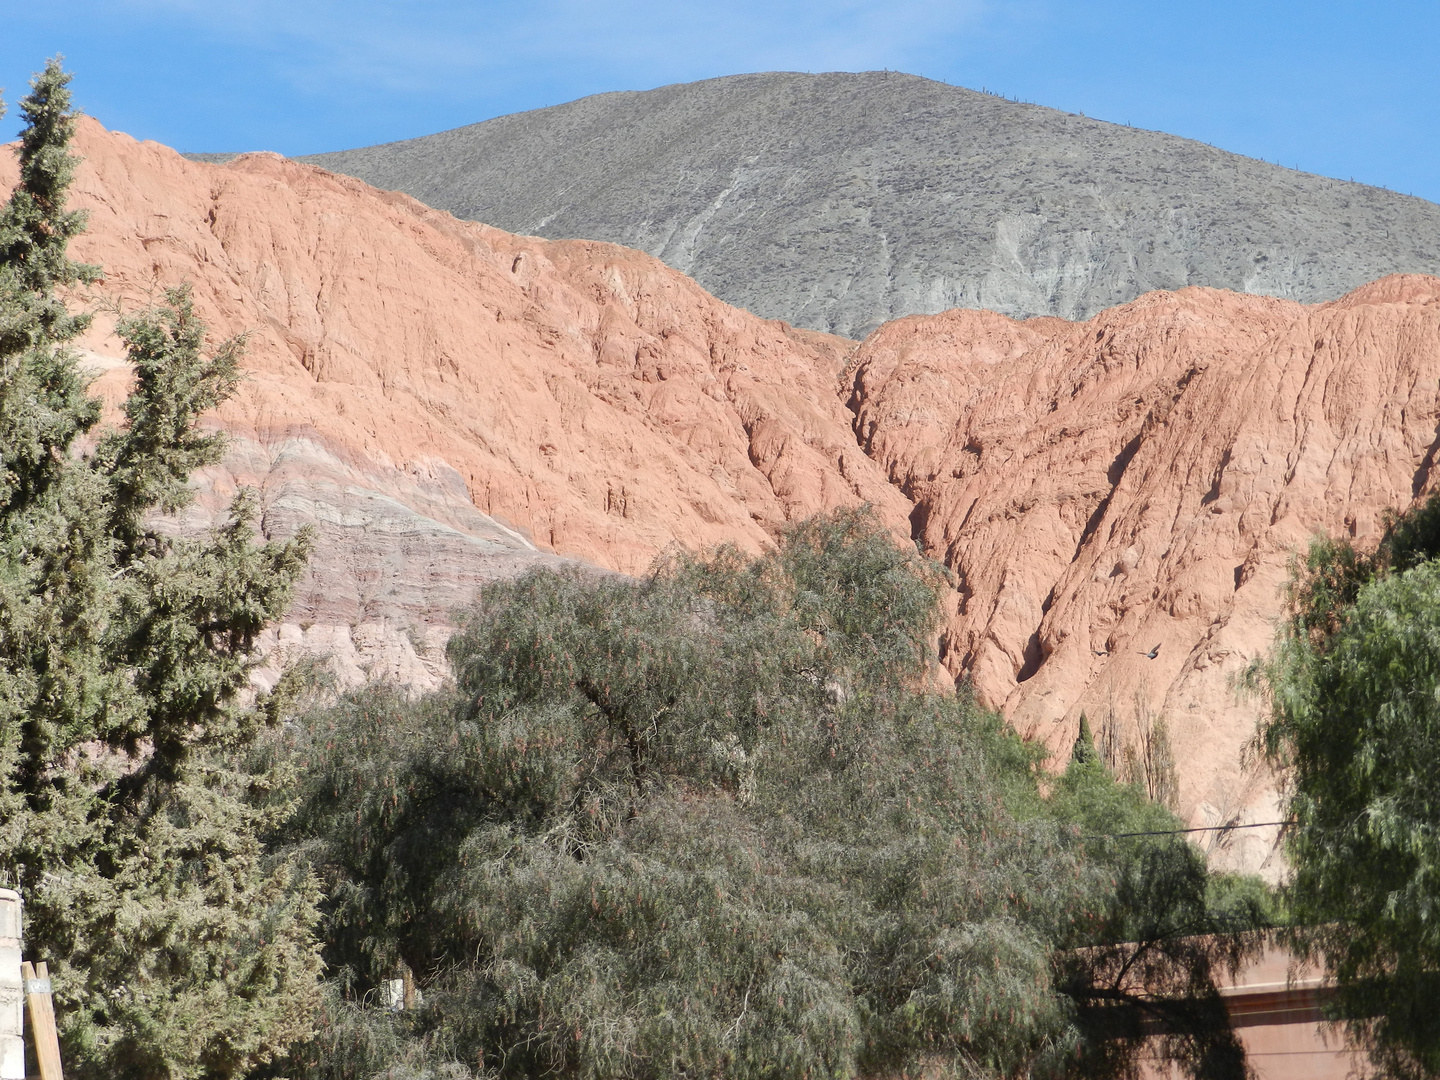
840, 200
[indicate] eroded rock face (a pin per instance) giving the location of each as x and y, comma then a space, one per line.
1141, 480
448, 402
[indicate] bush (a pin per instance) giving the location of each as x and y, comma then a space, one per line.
708, 823
1355, 721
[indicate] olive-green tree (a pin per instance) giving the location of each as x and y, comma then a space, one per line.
715, 823
129, 817
1355, 724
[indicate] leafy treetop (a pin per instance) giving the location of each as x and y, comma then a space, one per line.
715, 823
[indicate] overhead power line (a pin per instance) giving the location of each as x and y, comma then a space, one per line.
1179, 832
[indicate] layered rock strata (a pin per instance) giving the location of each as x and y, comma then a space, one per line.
448, 402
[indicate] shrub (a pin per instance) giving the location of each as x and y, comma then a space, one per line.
713, 822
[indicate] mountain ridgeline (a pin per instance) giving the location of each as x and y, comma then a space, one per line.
839, 201
429, 393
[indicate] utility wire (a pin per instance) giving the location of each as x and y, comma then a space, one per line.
1178, 832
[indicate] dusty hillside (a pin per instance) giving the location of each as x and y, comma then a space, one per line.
449, 401
1141, 480
840, 200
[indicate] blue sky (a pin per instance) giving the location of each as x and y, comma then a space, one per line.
1343, 89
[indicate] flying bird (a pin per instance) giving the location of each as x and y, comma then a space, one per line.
1151, 654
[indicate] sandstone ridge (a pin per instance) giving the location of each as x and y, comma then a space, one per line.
449, 402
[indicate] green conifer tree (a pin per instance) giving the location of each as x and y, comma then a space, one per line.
129, 816
1083, 752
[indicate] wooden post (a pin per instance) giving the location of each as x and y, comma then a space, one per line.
12, 993
42, 1020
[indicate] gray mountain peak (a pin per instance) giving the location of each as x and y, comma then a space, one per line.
839, 201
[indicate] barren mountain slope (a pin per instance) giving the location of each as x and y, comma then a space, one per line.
433, 392
1142, 480
838, 201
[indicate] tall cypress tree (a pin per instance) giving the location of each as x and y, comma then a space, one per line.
130, 812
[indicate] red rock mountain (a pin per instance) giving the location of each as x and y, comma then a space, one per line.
449, 402
1120, 498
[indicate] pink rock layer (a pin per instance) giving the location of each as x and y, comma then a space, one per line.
596, 400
